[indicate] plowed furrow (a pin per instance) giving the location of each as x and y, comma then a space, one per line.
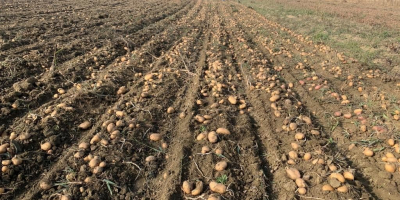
338, 132
123, 73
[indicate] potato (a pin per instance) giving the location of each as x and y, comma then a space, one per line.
327, 187
212, 137
293, 173
120, 114
199, 118
88, 158
217, 187
170, 110
182, 115
205, 149
307, 156
348, 175
115, 134
94, 162
61, 91
220, 166
187, 187
198, 189
3, 147
232, 100
97, 170
120, 123
85, 125
103, 164
4, 169
95, 139
291, 162
315, 132
13, 135
302, 190
84, 145
110, 127
392, 160
16, 160
332, 167
79, 154
155, 137
347, 116
6, 162
343, 189
25, 136
207, 117
293, 155
45, 146
65, 197
293, 126
391, 142
88, 180
274, 98
219, 151
122, 90
299, 136
45, 185
213, 197
223, 131
201, 136
338, 176
300, 183
357, 111
390, 168
367, 152
150, 158
306, 119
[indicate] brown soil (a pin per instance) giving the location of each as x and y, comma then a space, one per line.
125, 63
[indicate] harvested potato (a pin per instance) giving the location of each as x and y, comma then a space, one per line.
343, 189
45, 185
327, 187
45, 146
205, 149
217, 187
348, 175
293, 173
155, 136
16, 160
338, 176
212, 137
223, 131
187, 187
307, 156
302, 190
3, 147
368, 152
85, 125
198, 189
201, 136
232, 100
220, 166
300, 183
170, 110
